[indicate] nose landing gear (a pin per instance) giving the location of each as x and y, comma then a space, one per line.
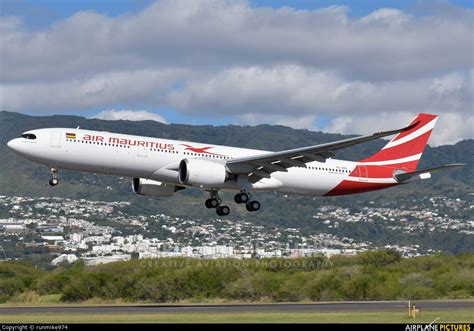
53, 173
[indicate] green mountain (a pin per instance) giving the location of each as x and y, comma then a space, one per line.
20, 177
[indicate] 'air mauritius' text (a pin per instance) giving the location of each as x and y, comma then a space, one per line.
128, 142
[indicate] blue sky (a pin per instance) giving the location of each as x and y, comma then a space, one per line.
41, 13
330, 68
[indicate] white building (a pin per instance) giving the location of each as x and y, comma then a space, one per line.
69, 258
107, 259
76, 237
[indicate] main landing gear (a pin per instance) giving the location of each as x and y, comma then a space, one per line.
243, 197
53, 173
252, 205
215, 202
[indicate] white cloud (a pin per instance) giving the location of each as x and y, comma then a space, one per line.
133, 88
228, 58
129, 115
211, 33
299, 91
390, 16
450, 127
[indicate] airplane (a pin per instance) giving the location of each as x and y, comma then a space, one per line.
160, 167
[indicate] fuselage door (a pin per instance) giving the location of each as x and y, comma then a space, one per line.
363, 173
56, 139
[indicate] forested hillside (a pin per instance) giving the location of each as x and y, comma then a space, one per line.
26, 178
20, 177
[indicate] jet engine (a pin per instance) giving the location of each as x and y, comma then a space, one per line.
153, 188
202, 173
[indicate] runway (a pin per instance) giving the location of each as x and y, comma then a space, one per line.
230, 308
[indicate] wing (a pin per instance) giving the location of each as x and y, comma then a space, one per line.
262, 165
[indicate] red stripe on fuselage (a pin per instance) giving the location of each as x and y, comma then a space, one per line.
372, 172
376, 171
349, 187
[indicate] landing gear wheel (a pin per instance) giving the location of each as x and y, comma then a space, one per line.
222, 210
241, 197
211, 203
252, 205
53, 173
53, 181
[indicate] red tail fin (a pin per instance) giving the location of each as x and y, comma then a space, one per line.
405, 149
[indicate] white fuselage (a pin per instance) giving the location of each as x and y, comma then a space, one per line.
158, 159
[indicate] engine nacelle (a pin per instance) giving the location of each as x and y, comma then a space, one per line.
202, 173
153, 188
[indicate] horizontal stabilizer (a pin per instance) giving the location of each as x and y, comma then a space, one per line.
423, 173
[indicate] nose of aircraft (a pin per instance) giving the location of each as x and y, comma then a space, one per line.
13, 144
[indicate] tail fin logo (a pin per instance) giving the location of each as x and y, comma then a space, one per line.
406, 148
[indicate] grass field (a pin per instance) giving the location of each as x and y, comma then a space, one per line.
398, 316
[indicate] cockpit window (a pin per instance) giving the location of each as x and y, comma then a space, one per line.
29, 136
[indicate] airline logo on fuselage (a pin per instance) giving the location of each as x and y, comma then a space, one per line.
141, 143
128, 142
199, 150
